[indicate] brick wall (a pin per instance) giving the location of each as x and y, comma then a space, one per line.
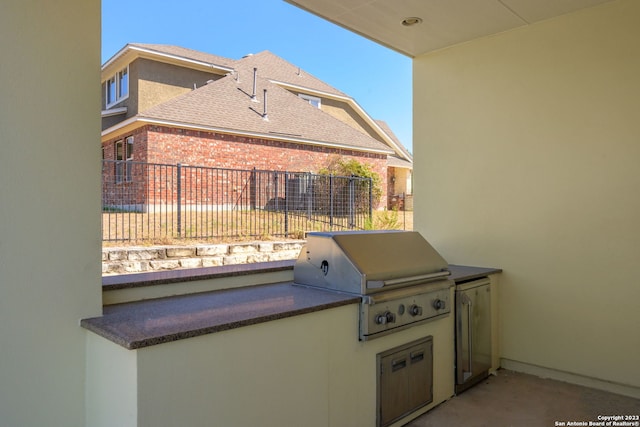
165, 145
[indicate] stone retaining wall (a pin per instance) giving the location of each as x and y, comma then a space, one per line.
126, 260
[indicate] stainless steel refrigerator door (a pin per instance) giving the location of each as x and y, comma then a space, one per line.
473, 334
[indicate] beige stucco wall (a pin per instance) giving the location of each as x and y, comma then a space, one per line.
526, 152
158, 82
306, 370
345, 113
111, 384
50, 197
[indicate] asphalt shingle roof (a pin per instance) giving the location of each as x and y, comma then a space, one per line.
278, 69
226, 104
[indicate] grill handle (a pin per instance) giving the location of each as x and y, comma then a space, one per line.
410, 280
469, 372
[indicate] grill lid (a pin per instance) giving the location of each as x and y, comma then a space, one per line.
367, 261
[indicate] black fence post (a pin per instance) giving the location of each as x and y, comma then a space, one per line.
351, 203
252, 190
370, 200
331, 201
309, 194
286, 204
179, 197
275, 185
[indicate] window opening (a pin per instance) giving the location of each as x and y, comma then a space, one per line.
313, 100
129, 153
117, 87
123, 156
123, 83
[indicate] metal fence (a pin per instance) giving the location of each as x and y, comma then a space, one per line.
145, 202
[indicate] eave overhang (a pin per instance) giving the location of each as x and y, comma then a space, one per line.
136, 122
129, 53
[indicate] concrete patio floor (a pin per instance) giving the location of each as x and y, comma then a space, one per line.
520, 400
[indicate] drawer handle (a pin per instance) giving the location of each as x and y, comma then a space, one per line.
398, 364
417, 356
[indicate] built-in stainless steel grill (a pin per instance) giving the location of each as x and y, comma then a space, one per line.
401, 278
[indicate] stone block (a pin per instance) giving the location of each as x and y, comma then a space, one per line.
117, 255
234, 259
135, 266
258, 257
283, 255
191, 263
287, 246
181, 252
243, 248
165, 264
146, 254
212, 261
211, 250
265, 247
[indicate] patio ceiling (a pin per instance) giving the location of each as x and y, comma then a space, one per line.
441, 23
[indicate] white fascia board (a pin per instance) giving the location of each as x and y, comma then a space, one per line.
136, 51
273, 136
182, 59
397, 150
115, 57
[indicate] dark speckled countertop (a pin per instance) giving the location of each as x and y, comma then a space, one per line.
145, 323
463, 273
135, 280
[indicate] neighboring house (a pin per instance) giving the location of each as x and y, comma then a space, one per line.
167, 104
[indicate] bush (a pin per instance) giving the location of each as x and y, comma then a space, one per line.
341, 166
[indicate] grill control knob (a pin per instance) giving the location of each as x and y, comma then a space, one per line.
415, 310
384, 318
439, 304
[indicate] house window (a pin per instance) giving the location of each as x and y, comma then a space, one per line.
124, 155
111, 90
311, 100
123, 83
117, 87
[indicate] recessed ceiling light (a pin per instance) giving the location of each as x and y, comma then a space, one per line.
407, 22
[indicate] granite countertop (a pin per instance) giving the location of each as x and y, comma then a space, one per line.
145, 323
135, 280
463, 273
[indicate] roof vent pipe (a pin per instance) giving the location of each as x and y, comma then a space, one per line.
255, 76
264, 111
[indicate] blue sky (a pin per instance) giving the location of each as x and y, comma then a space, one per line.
378, 78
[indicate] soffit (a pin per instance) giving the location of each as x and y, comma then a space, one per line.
445, 22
